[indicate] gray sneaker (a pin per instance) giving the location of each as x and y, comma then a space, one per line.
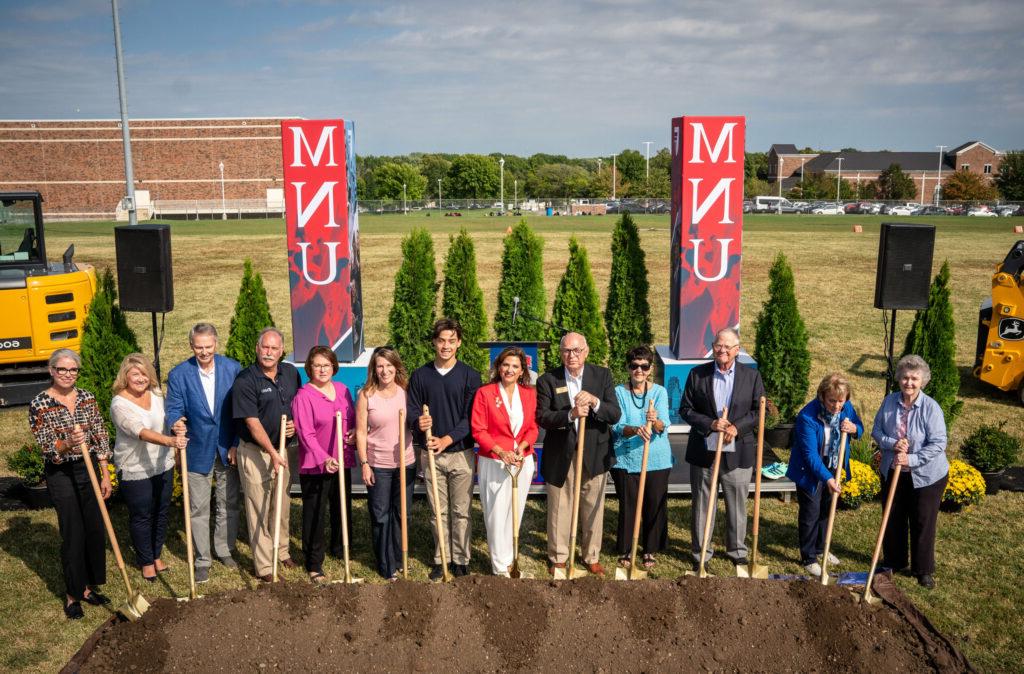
202, 574
833, 560
228, 562
813, 569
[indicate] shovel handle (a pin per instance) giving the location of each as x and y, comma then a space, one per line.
402, 486
186, 504
881, 531
576, 495
712, 494
279, 496
339, 429
441, 542
832, 509
640, 493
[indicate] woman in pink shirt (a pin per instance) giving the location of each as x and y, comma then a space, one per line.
313, 410
377, 442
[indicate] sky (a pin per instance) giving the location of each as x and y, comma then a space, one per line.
578, 77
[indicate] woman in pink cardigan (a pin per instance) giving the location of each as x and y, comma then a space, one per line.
313, 410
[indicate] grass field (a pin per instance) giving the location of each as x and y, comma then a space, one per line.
979, 551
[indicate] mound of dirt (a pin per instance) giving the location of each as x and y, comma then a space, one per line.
487, 624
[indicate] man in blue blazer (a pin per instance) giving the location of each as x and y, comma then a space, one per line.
199, 403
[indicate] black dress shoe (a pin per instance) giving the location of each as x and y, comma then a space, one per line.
459, 570
926, 581
74, 611
96, 599
436, 572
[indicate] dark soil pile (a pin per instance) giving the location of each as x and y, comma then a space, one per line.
486, 624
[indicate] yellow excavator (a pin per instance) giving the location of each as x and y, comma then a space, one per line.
999, 357
42, 304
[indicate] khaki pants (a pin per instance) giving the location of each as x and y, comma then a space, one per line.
591, 516
259, 486
455, 493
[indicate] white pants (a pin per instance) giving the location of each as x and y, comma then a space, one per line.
496, 499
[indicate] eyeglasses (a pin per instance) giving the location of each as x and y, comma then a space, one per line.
725, 347
322, 366
64, 371
646, 367
578, 351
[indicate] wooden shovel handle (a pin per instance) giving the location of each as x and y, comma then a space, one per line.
713, 495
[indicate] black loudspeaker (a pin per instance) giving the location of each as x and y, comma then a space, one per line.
904, 266
144, 278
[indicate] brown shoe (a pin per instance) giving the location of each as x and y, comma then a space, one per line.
288, 563
596, 569
268, 578
555, 565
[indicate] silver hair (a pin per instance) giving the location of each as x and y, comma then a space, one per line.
914, 363
561, 342
64, 353
201, 329
267, 331
728, 331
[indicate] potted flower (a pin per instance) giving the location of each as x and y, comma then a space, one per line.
27, 463
965, 486
862, 486
780, 349
991, 450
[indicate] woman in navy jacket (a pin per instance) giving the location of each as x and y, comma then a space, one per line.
813, 460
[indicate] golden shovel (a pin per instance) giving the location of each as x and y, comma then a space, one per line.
136, 604
712, 503
832, 511
756, 570
633, 573
441, 537
868, 597
339, 428
186, 505
514, 571
402, 487
279, 497
571, 572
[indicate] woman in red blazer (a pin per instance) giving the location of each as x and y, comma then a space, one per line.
505, 428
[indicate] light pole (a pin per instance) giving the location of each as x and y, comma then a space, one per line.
223, 206
780, 185
515, 198
405, 203
501, 167
923, 174
802, 160
648, 143
839, 177
938, 183
438, 195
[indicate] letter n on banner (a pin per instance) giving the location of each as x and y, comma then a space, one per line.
323, 236
707, 231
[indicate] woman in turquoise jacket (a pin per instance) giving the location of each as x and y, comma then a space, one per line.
813, 460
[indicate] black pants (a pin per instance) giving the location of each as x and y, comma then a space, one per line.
914, 511
82, 549
653, 519
384, 501
812, 522
317, 491
148, 501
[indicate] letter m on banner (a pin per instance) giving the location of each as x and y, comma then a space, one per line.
707, 231
323, 236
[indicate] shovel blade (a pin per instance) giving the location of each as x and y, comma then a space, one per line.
742, 571
870, 598
134, 608
560, 574
758, 571
631, 573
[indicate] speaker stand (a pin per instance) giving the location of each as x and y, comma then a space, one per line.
156, 348
890, 370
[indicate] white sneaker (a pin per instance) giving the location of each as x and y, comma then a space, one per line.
833, 560
813, 569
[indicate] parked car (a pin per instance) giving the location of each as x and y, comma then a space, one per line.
773, 205
829, 209
1008, 210
931, 210
982, 212
748, 205
901, 210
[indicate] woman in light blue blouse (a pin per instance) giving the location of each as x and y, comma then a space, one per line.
910, 430
628, 436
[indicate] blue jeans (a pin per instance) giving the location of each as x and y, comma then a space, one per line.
384, 501
147, 502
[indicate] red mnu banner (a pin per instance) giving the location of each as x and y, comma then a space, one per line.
707, 231
323, 236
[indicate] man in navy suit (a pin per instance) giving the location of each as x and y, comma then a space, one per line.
722, 383
199, 403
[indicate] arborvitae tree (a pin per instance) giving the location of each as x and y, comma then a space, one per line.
933, 337
106, 340
412, 315
252, 314
463, 300
627, 313
577, 309
780, 347
522, 276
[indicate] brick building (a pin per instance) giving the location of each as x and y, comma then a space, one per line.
858, 167
78, 165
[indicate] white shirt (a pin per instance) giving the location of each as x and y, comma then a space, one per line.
574, 386
444, 370
514, 408
136, 458
209, 382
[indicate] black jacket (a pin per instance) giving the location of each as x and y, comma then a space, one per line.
698, 410
553, 406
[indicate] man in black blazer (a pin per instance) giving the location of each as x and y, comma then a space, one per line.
725, 382
564, 395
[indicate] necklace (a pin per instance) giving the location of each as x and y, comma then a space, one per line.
639, 401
